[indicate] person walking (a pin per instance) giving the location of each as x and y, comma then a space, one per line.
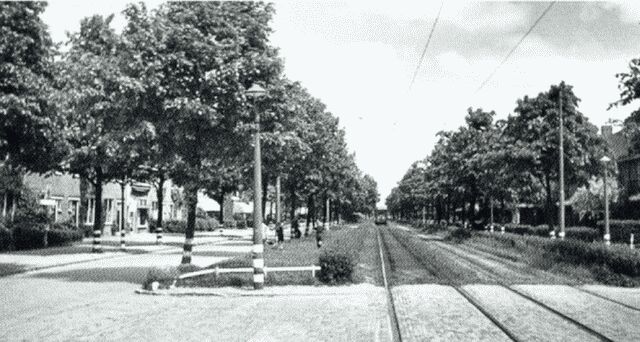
319, 231
280, 235
295, 227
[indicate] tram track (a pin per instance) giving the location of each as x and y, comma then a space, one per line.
487, 273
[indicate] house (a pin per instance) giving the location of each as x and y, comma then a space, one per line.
61, 193
628, 166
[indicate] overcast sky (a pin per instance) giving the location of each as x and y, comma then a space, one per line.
358, 57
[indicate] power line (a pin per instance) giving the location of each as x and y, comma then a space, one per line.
424, 51
516, 46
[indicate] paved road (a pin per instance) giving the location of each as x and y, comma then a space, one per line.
465, 294
96, 301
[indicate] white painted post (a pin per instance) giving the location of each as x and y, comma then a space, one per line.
631, 241
502, 230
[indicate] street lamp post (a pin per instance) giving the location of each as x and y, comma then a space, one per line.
607, 236
254, 92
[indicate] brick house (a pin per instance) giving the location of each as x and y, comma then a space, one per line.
62, 194
628, 166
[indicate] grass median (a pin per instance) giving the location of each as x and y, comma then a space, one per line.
358, 242
584, 262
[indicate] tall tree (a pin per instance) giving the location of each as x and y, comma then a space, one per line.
535, 129
93, 91
30, 126
213, 52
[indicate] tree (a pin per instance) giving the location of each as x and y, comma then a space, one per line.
93, 92
213, 52
534, 129
30, 127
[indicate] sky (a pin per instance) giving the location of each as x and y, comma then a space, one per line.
359, 57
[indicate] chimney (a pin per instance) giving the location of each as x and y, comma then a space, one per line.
607, 132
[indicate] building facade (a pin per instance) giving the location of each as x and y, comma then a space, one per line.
63, 195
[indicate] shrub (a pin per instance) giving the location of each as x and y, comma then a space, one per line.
63, 233
458, 234
583, 233
336, 267
621, 229
619, 259
164, 276
6, 238
180, 226
28, 229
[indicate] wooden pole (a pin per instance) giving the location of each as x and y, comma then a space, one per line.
561, 173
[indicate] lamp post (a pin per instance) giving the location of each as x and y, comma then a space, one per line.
254, 92
607, 237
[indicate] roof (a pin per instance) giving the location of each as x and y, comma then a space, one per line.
618, 143
206, 203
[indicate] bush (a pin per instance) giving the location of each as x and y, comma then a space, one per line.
180, 226
63, 233
164, 276
587, 234
621, 229
458, 234
6, 238
619, 259
336, 267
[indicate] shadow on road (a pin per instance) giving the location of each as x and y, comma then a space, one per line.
135, 275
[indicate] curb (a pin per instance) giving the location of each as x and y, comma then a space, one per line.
248, 292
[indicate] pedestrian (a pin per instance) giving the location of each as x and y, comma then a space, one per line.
295, 227
280, 235
319, 231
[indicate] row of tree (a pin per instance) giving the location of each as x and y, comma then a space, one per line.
488, 163
166, 99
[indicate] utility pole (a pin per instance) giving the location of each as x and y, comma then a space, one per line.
491, 206
561, 175
327, 212
607, 235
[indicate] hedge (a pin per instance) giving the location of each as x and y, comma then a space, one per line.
620, 259
6, 239
576, 233
620, 230
180, 226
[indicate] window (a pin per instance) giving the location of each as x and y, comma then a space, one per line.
142, 202
58, 213
72, 211
154, 205
91, 210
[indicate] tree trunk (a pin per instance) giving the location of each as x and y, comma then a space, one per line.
14, 200
294, 202
192, 204
160, 194
309, 211
4, 205
98, 224
325, 209
221, 203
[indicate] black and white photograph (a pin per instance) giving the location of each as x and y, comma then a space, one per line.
341, 170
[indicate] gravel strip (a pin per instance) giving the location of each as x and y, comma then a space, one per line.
525, 319
612, 320
628, 296
440, 313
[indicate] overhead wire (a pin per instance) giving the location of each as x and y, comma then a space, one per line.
504, 60
426, 46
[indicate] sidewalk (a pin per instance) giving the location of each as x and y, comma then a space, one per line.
142, 243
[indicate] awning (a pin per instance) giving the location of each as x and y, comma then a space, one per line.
140, 189
48, 202
206, 203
